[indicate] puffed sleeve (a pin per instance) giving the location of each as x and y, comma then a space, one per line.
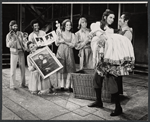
74, 40
78, 45
77, 34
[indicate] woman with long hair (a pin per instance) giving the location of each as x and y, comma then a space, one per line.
66, 42
113, 56
83, 44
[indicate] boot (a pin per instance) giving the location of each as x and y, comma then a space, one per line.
118, 108
98, 103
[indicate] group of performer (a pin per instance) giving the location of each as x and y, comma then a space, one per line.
109, 51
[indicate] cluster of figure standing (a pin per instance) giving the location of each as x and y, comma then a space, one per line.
92, 45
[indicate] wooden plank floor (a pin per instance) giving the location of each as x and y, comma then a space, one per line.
21, 105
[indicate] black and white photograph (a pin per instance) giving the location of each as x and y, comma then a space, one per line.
39, 41
46, 62
46, 40
75, 60
50, 38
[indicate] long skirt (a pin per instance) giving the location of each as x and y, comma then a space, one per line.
66, 56
114, 55
86, 58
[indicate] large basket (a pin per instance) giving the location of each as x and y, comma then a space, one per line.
83, 86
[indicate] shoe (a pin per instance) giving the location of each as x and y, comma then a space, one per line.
62, 89
116, 112
40, 93
70, 90
52, 90
34, 92
96, 104
13, 88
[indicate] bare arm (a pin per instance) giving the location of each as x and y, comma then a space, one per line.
128, 34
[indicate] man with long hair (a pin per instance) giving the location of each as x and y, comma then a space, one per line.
14, 41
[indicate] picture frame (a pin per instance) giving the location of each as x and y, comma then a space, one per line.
46, 62
46, 40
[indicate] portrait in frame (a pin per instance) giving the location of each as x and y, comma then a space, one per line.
46, 62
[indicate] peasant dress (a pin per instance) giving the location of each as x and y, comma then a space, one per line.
66, 56
113, 55
85, 52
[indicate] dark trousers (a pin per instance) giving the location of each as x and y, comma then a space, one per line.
120, 85
98, 81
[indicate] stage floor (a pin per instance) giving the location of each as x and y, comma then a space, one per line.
21, 105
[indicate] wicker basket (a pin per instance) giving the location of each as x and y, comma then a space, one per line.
83, 86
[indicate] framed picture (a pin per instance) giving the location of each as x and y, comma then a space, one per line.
46, 62
46, 39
